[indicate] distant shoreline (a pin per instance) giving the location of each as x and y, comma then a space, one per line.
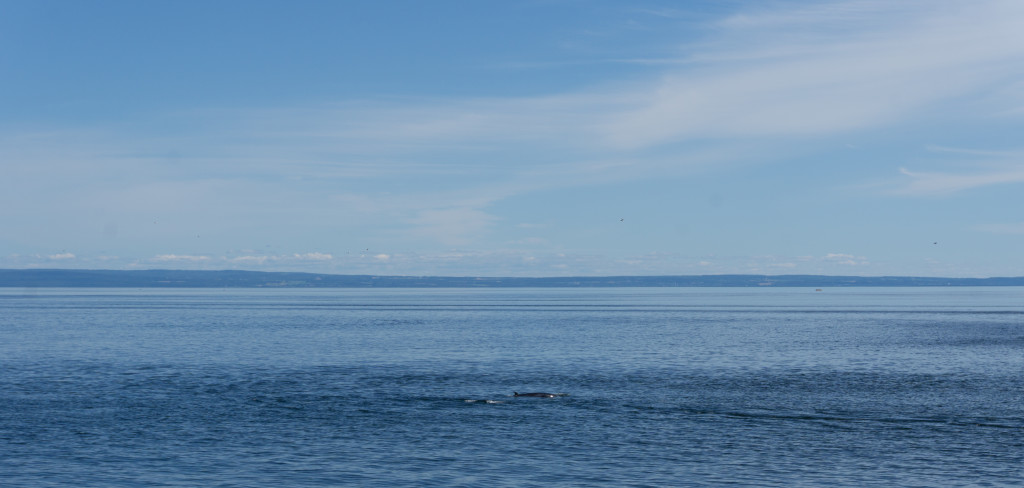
157, 278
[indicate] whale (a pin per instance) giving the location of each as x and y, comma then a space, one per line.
537, 394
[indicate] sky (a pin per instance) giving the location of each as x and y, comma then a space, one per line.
526, 138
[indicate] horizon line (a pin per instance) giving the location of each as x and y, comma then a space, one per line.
509, 276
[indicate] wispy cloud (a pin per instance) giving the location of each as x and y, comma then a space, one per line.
963, 169
976, 152
293, 261
822, 70
845, 259
1016, 228
314, 256
853, 65
943, 183
180, 258
251, 260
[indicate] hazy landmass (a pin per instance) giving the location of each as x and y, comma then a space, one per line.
257, 279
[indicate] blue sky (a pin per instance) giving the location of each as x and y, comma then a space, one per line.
529, 138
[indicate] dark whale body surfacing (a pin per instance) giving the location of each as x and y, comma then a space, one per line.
541, 395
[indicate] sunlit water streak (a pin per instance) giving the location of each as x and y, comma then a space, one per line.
665, 387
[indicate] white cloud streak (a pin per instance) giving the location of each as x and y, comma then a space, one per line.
885, 65
831, 68
1006, 229
314, 256
941, 184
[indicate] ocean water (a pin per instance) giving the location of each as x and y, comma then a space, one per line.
413, 387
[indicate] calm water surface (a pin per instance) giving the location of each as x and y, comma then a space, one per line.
411, 387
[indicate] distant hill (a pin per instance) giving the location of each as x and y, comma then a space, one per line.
157, 278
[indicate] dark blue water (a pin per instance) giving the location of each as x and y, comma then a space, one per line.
665, 387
